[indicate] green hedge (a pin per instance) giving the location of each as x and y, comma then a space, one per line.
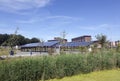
48, 67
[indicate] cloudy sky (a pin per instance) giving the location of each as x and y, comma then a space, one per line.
46, 19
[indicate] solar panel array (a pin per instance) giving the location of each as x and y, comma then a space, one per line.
31, 45
76, 44
57, 43
52, 43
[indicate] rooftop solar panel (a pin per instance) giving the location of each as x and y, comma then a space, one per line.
56, 43
51, 43
74, 44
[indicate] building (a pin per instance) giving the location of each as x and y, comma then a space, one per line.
58, 39
58, 44
85, 38
117, 43
114, 43
40, 47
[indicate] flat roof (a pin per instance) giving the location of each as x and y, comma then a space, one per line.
51, 43
82, 36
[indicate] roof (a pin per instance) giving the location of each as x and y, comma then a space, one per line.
75, 44
31, 45
51, 43
82, 36
57, 44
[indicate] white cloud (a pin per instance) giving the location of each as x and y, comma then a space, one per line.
100, 27
27, 21
63, 17
58, 19
103, 25
19, 5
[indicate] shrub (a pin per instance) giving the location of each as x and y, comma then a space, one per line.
48, 67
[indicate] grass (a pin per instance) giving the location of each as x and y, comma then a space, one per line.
107, 75
4, 51
60, 66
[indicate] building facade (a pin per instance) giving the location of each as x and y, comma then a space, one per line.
58, 39
85, 38
58, 44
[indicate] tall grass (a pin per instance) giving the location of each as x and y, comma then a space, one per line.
4, 51
48, 67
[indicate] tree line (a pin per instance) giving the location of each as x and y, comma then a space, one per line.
12, 40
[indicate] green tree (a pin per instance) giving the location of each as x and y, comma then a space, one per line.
13, 40
20, 40
34, 40
3, 38
102, 39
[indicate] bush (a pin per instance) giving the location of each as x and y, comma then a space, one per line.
48, 67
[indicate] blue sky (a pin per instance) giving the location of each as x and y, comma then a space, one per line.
46, 19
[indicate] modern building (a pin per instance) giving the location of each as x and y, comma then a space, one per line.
40, 47
117, 43
114, 43
59, 39
85, 38
56, 45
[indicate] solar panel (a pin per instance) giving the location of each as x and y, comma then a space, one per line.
30, 45
75, 44
57, 43
51, 43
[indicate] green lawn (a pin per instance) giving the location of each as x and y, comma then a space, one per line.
109, 75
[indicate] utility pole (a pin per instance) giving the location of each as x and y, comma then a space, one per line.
62, 41
13, 39
63, 35
15, 33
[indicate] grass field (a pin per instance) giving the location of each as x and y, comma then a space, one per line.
108, 75
4, 51
60, 66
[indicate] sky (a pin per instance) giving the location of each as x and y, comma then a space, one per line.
46, 19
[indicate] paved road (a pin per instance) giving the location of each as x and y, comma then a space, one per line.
24, 54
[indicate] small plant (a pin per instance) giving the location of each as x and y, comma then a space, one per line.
83, 49
118, 48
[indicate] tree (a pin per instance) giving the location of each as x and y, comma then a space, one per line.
17, 40
102, 39
12, 40
27, 40
34, 40
3, 38
20, 40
